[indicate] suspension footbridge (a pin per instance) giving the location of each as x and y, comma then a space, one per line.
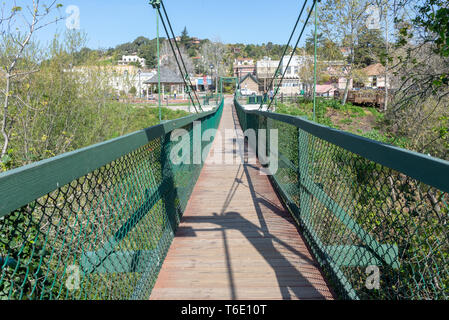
342, 217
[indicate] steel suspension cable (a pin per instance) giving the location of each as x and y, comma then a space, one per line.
179, 51
176, 58
286, 47
293, 53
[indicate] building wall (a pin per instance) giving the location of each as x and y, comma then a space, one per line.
266, 68
241, 62
379, 83
295, 65
133, 58
342, 84
290, 86
242, 71
249, 84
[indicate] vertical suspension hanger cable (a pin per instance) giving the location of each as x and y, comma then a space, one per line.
179, 52
158, 69
293, 53
177, 61
286, 47
156, 5
315, 62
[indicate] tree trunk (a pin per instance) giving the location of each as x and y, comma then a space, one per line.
5, 116
345, 96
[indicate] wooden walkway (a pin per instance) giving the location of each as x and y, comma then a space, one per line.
236, 240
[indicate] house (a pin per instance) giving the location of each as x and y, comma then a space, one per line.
242, 70
134, 58
250, 82
325, 90
170, 82
243, 61
337, 70
236, 50
265, 70
244, 66
120, 78
292, 83
375, 74
202, 83
195, 41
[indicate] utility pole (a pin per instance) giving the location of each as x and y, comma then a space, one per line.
157, 5
139, 72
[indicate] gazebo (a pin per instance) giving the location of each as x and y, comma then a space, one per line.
170, 81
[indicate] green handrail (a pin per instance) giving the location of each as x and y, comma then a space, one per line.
97, 223
374, 215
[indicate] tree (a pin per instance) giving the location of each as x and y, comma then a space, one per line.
213, 54
326, 49
17, 54
342, 22
433, 15
419, 71
185, 39
370, 48
307, 75
168, 59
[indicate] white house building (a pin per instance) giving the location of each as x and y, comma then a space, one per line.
243, 62
123, 78
292, 83
265, 70
132, 58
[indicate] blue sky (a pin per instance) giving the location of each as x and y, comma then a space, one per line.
111, 22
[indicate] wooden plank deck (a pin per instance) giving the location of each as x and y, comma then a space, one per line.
236, 240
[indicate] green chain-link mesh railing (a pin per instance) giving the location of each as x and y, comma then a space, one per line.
211, 99
363, 205
96, 223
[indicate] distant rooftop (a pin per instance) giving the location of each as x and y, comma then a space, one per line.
167, 76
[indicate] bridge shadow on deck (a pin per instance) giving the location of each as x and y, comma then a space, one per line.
291, 281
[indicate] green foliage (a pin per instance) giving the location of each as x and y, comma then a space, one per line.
185, 39
144, 47
434, 17
370, 48
326, 48
375, 201
7, 161
304, 108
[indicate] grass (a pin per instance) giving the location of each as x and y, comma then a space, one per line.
126, 118
362, 121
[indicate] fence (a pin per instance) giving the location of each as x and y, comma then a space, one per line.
214, 98
97, 223
375, 216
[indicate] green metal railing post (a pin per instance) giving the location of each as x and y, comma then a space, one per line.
303, 172
156, 5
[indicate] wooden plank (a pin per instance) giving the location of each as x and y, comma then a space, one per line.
236, 240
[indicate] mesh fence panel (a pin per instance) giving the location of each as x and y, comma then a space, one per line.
105, 234
362, 218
